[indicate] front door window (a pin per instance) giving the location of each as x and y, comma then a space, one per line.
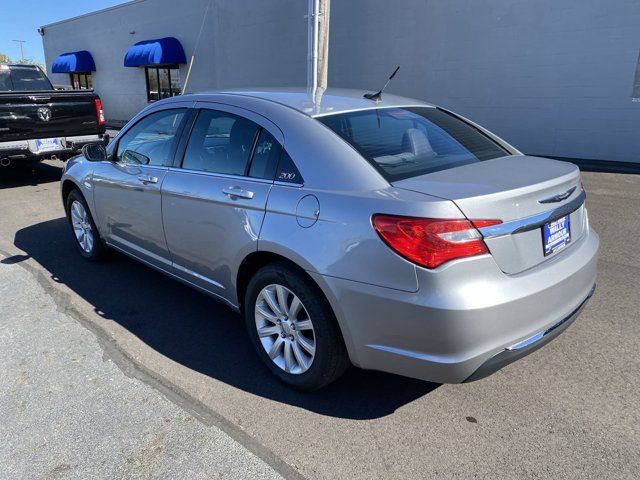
150, 141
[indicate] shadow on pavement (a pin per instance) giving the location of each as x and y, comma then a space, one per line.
198, 332
29, 174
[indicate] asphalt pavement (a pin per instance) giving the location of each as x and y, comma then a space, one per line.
97, 356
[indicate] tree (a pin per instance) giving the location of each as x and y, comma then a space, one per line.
29, 61
25, 61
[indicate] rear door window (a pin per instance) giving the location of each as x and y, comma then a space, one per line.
265, 156
220, 142
411, 141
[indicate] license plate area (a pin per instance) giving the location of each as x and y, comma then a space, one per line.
48, 144
556, 235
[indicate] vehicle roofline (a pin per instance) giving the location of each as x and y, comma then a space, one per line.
373, 107
395, 101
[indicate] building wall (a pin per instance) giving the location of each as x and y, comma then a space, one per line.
243, 43
553, 77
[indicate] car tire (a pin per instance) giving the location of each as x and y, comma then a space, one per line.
84, 230
329, 360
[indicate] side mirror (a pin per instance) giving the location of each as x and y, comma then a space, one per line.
94, 152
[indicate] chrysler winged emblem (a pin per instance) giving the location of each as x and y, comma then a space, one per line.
558, 198
44, 114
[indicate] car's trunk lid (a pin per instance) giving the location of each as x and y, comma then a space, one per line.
518, 190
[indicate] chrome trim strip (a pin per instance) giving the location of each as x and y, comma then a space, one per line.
220, 175
530, 340
198, 276
288, 184
534, 221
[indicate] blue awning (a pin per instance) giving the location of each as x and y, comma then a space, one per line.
163, 51
74, 62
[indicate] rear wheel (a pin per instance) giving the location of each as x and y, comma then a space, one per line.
83, 227
293, 328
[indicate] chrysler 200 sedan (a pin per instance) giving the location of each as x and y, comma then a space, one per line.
392, 235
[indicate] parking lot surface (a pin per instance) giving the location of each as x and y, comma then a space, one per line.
570, 410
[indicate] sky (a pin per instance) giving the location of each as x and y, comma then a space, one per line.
20, 19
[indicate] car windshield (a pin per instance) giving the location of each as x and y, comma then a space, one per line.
410, 141
23, 79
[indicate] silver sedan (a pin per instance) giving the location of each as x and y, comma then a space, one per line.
393, 235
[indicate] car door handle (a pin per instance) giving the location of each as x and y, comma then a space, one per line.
148, 179
237, 192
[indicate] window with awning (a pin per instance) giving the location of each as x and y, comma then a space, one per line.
79, 65
162, 51
161, 59
74, 62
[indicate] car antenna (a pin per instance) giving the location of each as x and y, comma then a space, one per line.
376, 97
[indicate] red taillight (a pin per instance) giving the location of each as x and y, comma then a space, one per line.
430, 242
99, 111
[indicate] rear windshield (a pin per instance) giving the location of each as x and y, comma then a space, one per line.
411, 141
23, 79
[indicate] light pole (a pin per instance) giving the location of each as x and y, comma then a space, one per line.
21, 42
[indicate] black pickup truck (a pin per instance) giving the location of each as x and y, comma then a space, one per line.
38, 122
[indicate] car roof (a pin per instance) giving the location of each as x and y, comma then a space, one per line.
333, 100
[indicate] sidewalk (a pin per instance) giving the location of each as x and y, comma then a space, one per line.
67, 412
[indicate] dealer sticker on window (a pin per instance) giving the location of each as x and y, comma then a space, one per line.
556, 235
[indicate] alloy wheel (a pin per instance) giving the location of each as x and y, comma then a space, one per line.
82, 226
285, 329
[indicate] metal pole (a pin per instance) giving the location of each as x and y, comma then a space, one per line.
21, 42
318, 49
312, 45
323, 44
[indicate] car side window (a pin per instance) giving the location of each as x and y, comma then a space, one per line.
265, 156
287, 171
150, 141
220, 142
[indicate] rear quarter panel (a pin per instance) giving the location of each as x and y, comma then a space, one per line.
342, 242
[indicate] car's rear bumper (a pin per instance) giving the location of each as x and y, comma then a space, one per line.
456, 327
526, 346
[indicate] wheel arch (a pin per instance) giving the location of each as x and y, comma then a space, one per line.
254, 262
68, 186
260, 258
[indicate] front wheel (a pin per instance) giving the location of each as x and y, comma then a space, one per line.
293, 328
83, 227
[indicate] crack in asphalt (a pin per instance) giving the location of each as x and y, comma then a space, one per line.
130, 367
